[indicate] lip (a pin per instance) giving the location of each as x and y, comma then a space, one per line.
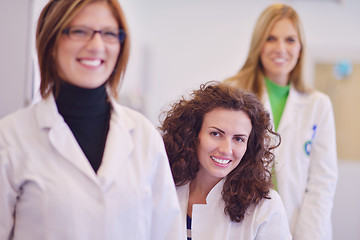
90, 63
279, 60
220, 161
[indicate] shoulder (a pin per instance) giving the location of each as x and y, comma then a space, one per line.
18, 121
267, 208
274, 202
270, 219
132, 118
314, 101
17, 130
311, 97
138, 126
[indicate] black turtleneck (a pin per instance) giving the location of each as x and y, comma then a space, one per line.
87, 112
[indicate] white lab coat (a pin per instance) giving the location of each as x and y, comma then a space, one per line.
267, 221
306, 182
49, 191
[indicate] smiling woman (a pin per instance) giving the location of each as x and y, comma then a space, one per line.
222, 143
77, 163
280, 52
219, 146
306, 161
89, 61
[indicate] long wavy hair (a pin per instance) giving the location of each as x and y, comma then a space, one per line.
250, 181
251, 76
54, 18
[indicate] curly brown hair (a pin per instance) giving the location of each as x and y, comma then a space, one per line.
250, 181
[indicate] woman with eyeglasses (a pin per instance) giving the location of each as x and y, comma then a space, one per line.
306, 161
77, 165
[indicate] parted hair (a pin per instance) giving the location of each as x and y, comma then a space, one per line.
250, 181
251, 76
54, 18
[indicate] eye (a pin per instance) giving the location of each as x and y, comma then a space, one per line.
110, 34
215, 134
270, 39
239, 139
291, 39
79, 31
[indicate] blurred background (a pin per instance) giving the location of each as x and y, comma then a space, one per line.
179, 44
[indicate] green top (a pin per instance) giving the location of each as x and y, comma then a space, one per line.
278, 95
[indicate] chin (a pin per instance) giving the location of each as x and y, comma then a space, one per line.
91, 85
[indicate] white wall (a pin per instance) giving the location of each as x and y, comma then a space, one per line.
346, 213
15, 67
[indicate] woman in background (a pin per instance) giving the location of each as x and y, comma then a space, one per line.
219, 146
306, 161
77, 165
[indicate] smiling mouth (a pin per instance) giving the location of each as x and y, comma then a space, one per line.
91, 63
279, 60
220, 161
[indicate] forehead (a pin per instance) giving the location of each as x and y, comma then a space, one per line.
231, 121
284, 26
96, 14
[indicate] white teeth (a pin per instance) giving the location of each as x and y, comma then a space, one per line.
220, 160
279, 60
92, 63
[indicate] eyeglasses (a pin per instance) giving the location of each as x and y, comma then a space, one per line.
80, 33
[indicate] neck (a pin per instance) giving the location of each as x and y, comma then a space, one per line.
201, 186
81, 102
281, 80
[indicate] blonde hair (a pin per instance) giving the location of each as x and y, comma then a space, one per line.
251, 75
54, 18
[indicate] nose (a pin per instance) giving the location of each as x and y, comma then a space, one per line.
280, 46
96, 42
225, 147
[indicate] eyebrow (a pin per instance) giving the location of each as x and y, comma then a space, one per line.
291, 35
218, 129
223, 132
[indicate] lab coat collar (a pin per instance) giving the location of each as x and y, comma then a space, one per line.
117, 146
214, 195
207, 216
294, 101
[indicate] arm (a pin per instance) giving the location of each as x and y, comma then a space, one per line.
7, 192
314, 222
166, 219
273, 220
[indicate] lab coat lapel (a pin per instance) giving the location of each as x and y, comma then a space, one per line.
211, 216
61, 137
292, 106
183, 196
118, 147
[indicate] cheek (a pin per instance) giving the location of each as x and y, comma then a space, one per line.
114, 53
61, 62
203, 146
296, 51
65, 54
240, 152
265, 50
264, 55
